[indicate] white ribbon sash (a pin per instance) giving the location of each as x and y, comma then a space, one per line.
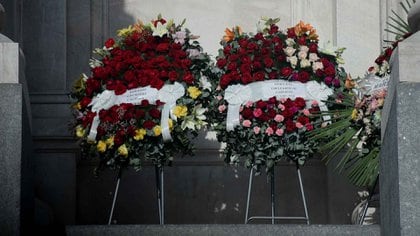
168, 94
237, 94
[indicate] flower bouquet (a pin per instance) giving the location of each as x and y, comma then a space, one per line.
145, 97
356, 123
271, 89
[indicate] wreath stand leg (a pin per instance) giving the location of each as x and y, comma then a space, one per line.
273, 213
117, 186
368, 201
160, 193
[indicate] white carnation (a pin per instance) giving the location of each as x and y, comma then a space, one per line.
293, 61
302, 55
313, 57
305, 63
289, 51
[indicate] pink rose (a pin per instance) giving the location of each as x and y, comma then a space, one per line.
249, 104
219, 97
269, 131
279, 132
279, 118
306, 112
247, 123
222, 108
257, 112
281, 107
257, 130
299, 125
314, 103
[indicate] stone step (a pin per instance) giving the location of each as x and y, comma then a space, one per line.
203, 230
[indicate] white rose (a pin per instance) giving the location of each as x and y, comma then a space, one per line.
313, 57
302, 55
293, 61
289, 51
304, 49
317, 65
290, 42
305, 63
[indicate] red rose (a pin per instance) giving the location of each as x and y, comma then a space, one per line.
303, 76
272, 75
157, 84
273, 29
291, 33
148, 124
252, 46
109, 43
144, 103
256, 65
118, 139
88, 118
302, 40
245, 68
313, 48
102, 114
268, 62
309, 127
85, 102
246, 78
319, 73
259, 36
290, 126
388, 52
231, 66
271, 113
227, 50
286, 71
380, 59
186, 63
330, 71
243, 42
247, 113
155, 113
288, 113
173, 76
120, 89
221, 62
129, 75
100, 72
272, 100
162, 47
325, 62
261, 104
140, 114
225, 81
188, 78
265, 51
259, 76
300, 102
264, 118
303, 120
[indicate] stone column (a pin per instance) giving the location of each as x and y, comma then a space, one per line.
11, 138
400, 164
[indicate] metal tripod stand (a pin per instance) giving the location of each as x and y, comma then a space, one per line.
160, 194
273, 216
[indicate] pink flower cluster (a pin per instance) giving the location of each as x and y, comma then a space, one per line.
276, 117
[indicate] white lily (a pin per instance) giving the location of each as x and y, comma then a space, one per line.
204, 83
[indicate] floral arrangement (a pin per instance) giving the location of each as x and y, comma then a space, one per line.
145, 97
356, 123
261, 110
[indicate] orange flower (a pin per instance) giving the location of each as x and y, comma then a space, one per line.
230, 34
349, 84
138, 27
302, 28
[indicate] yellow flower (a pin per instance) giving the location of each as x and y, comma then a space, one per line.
354, 114
170, 124
80, 132
180, 111
123, 150
77, 106
101, 146
157, 130
110, 141
125, 31
194, 92
140, 133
